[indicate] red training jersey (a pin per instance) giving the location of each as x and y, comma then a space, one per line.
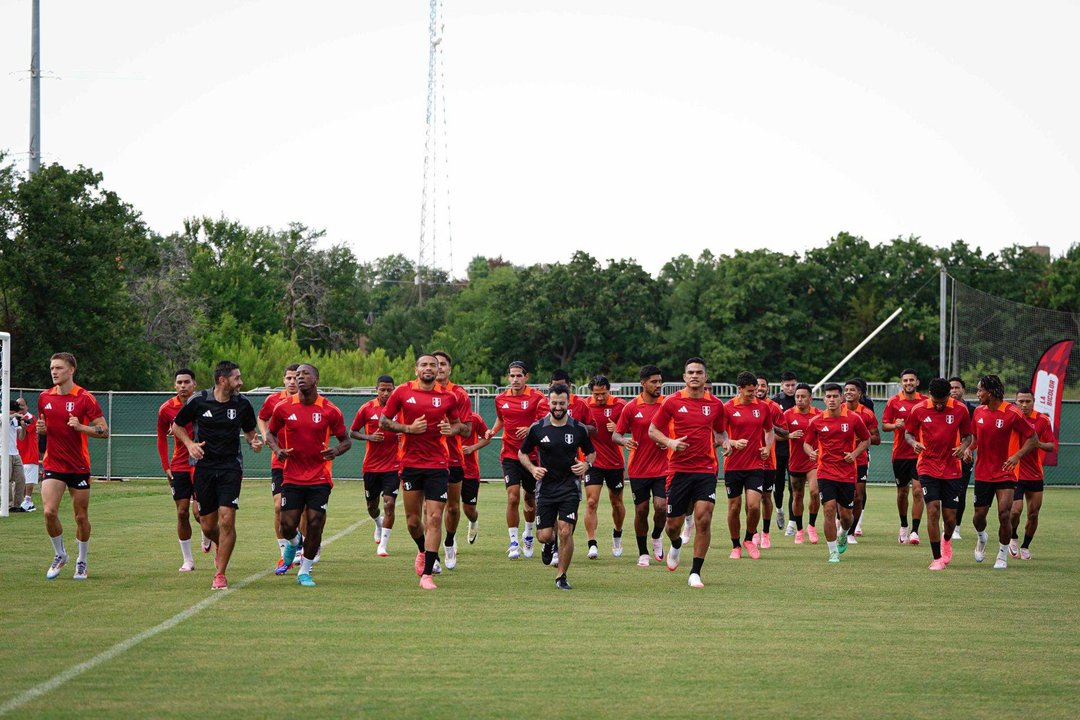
306, 430
464, 410
267, 411
379, 457
994, 431
409, 401
517, 411
647, 460
178, 461
941, 433
870, 420
472, 460
897, 408
833, 437
66, 450
796, 420
28, 445
696, 419
747, 421
609, 456
1031, 465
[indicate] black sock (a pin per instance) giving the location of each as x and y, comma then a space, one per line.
765, 524
915, 522
813, 519
592, 543
641, 549
677, 542
749, 536
657, 530
735, 542
449, 539
561, 577
695, 569
903, 520
419, 543
1027, 540
430, 556
864, 500
1014, 535
798, 521
616, 533
935, 547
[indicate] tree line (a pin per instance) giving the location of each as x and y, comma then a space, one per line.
81, 271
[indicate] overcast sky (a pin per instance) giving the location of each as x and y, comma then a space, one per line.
628, 129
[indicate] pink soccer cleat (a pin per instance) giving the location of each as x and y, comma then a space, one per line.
752, 550
812, 532
766, 543
220, 583
799, 537
938, 564
419, 564
736, 554
946, 551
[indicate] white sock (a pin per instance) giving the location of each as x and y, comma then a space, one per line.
185, 548
832, 546
84, 545
530, 529
58, 544
205, 540
513, 534
378, 522
282, 542
386, 536
472, 523
305, 566
1002, 550
983, 537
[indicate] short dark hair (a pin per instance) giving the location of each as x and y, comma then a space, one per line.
908, 371
939, 388
14, 406
599, 381
224, 369
293, 367
313, 369
861, 383
385, 379
787, 376
993, 385
560, 375
66, 357
559, 389
960, 380
831, 387
519, 365
695, 360
804, 386
445, 355
647, 371
184, 371
762, 377
745, 378
1024, 390
857, 384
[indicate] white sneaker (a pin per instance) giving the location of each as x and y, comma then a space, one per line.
451, 556
474, 528
789, 531
673, 558
80, 571
514, 551
779, 518
956, 533
643, 561
688, 525
902, 538
528, 547
555, 558
58, 564
188, 566
1014, 548
980, 548
616, 547
382, 550
694, 581
658, 549
913, 538
27, 505
593, 553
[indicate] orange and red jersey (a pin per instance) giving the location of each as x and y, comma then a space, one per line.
409, 401
769, 463
464, 410
994, 430
898, 408
66, 450
28, 444
178, 462
834, 437
647, 460
697, 419
267, 411
306, 430
472, 461
379, 457
870, 420
795, 420
609, 456
746, 421
1031, 465
517, 411
576, 407
941, 433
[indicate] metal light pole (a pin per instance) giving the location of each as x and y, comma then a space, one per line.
35, 88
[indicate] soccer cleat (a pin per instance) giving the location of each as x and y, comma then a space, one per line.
980, 549
616, 547
419, 564
752, 549
514, 551
1025, 554
858, 528
938, 564
673, 558
902, 538
799, 537
779, 518
80, 570
736, 554
766, 542
188, 566
527, 547
688, 525
913, 538
220, 583
288, 557
562, 584
834, 556
790, 529
658, 549
58, 564
946, 551
555, 558
851, 540
956, 533
207, 543
427, 583
812, 533
694, 581
451, 556
1001, 563
305, 580
474, 529
436, 569
546, 553
643, 561
1014, 549
382, 551
281, 568
757, 539
593, 553
841, 542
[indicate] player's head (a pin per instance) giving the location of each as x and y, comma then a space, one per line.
62, 367
13, 406
939, 392
802, 396
559, 376
762, 387
746, 381
383, 387
184, 382
227, 376
307, 377
788, 381
559, 400
446, 364
957, 388
833, 395
651, 380
853, 392
288, 378
1025, 400
990, 386
600, 387
427, 367
695, 374
909, 380
517, 374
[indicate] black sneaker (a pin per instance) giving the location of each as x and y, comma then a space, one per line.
547, 553
560, 582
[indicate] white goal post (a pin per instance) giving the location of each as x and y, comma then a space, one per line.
5, 400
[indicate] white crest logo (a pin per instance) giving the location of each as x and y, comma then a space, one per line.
316, 417
844, 427
706, 410
69, 406
607, 413
999, 423
569, 438
757, 413
524, 404
231, 413
949, 419
436, 402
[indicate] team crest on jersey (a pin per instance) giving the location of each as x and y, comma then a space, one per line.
569, 437
69, 406
999, 423
524, 404
844, 427
706, 410
757, 413
231, 413
607, 413
436, 402
949, 419
316, 417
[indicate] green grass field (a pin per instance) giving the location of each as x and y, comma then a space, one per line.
788, 636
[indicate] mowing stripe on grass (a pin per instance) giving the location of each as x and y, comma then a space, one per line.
123, 646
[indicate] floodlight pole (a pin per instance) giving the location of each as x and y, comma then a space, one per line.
943, 292
35, 87
858, 347
5, 400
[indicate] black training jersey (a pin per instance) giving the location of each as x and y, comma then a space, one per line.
219, 426
786, 402
557, 447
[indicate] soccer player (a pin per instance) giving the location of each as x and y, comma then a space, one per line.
470, 486
749, 422
997, 425
516, 410
834, 440
957, 389
604, 410
565, 454
457, 459
647, 466
299, 435
786, 400
769, 471
1029, 486
691, 424
288, 380
381, 464
30, 456
800, 467
428, 417
67, 415
903, 456
939, 430
577, 409
218, 417
176, 466
854, 391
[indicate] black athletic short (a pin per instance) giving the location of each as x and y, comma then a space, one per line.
842, 492
768, 480
381, 483
642, 488
457, 473
686, 489
985, 492
798, 476
949, 491
514, 473
738, 481
181, 486
1027, 486
216, 488
277, 477
864, 471
559, 503
435, 482
75, 481
470, 490
904, 471
297, 497
612, 477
